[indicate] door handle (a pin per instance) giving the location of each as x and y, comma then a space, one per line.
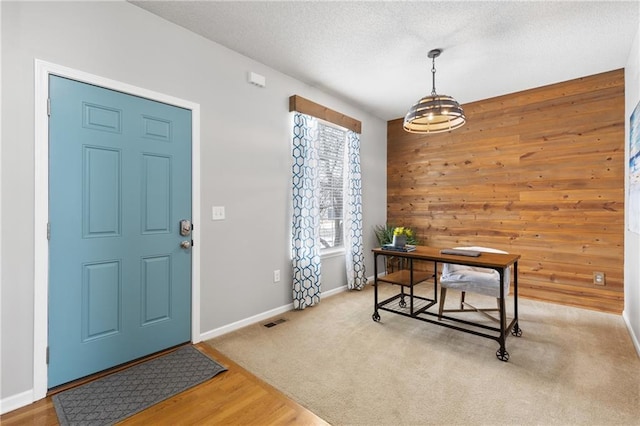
185, 244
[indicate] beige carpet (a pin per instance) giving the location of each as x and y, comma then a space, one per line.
570, 367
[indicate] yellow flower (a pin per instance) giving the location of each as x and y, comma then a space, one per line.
401, 230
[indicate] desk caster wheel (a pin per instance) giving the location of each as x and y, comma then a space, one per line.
516, 331
376, 317
402, 303
502, 355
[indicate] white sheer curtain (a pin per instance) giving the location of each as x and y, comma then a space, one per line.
306, 217
353, 240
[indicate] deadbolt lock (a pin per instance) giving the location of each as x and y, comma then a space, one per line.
185, 227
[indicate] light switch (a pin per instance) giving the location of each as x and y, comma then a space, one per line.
217, 213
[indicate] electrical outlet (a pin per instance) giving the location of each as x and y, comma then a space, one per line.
276, 275
598, 278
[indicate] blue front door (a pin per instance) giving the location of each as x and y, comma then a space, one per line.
119, 185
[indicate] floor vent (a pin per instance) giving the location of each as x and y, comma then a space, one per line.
274, 323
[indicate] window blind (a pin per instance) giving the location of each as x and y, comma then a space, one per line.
331, 176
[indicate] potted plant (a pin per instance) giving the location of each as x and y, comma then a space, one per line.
402, 235
385, 235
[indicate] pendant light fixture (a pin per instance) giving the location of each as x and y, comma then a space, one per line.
434, 113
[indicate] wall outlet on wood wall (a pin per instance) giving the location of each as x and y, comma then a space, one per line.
598, 278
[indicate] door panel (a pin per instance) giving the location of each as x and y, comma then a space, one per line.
120, 182
156, 289
101, 207
101, 307
156, 190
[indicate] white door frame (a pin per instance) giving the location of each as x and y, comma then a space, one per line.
41, 244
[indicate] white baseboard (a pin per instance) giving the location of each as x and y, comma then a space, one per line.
259, 317
16, 401
334, 291
245, 322
634, 338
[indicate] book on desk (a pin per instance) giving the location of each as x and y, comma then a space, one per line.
406, 248
461, 252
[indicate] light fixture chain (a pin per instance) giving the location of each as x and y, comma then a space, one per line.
433, 76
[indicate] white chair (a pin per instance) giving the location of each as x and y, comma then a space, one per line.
476, 280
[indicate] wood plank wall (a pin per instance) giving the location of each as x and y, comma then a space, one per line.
539, 173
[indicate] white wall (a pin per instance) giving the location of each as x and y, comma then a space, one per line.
244, 163
631, 311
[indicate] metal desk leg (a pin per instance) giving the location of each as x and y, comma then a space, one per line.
502, 353
411, 286
516, 330
376, 315
402, 303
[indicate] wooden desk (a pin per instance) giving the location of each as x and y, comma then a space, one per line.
419, 306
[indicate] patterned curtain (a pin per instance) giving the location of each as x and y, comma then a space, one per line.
353, 241
306, 214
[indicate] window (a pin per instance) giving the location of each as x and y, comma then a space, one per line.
325, 172
331, 141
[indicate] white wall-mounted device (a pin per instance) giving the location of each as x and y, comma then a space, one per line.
257, 79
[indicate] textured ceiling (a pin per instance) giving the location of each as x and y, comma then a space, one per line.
374, 54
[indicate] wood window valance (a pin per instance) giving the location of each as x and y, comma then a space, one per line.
305, 106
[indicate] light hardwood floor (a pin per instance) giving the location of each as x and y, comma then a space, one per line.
235, 397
